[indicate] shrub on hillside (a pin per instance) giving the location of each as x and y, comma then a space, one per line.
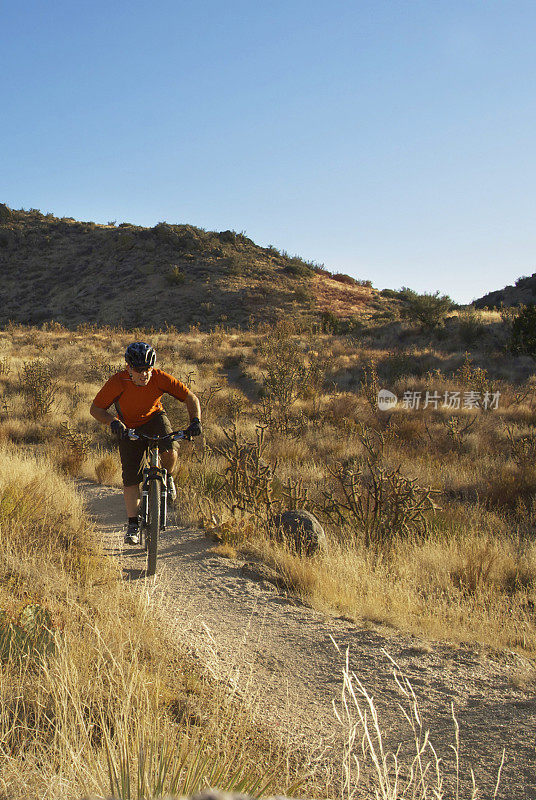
331, 323
392, 294
298, 269
6, 215
302, 295
321, 270
236, 264
342, 278
227, 237
523, 336
470, 325
427, 310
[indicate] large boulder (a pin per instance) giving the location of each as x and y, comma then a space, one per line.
301, 531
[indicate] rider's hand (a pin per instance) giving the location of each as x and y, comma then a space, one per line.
194, 428
119, 428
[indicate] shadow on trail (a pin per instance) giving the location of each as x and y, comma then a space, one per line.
131, 574
106, 504
172, 543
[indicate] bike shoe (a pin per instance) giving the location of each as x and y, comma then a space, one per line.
132, 536
172, 491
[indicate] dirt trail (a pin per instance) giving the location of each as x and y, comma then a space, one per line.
268, 643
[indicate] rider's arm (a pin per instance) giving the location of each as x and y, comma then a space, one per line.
105, 398
193, 406
172, 386
101, 415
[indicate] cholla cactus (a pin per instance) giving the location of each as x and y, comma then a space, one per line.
38, 387
381, 503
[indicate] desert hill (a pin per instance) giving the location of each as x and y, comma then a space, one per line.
75, 272
522, 293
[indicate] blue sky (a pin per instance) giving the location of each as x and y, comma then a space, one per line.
389, 139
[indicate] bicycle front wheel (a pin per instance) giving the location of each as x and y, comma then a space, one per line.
153, 526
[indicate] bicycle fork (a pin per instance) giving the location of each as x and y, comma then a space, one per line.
163, 500
159, 474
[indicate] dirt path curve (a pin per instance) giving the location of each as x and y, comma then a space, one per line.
265, 642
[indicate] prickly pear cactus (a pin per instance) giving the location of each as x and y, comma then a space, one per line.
32, 637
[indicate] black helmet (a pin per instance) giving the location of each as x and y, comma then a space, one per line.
140, 356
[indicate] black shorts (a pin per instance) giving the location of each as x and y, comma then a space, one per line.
133, 452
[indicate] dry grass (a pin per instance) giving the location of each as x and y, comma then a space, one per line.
225, 550
90, 713
471, 577
465, 591
418, 770
106, 469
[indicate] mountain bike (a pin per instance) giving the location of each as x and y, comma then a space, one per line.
154, 494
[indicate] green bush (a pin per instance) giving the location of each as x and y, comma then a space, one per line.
392, 294
427, 310
470, 325
227, 237
523, 336
236, 264
342, 278
298, 269
301, 295
331, 323
6, 214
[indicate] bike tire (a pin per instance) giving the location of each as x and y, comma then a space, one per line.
153, 526
143, 520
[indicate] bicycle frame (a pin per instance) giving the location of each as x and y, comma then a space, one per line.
154, 493
154, 472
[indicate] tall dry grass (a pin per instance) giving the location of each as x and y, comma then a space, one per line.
414, 769
477, 590
111, 705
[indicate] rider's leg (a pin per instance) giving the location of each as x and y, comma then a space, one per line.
169, 459
132, 499
132, 456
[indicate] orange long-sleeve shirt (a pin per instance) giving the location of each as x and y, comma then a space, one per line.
137, 404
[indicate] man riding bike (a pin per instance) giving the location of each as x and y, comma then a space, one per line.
135, 394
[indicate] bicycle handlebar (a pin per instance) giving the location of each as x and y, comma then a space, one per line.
175, 435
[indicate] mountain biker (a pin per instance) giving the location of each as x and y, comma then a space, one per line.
135, 394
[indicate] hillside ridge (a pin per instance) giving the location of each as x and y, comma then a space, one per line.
73, 272
523, 292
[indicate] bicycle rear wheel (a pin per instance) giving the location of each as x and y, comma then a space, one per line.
153, 526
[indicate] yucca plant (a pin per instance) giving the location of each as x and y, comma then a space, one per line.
152, 770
